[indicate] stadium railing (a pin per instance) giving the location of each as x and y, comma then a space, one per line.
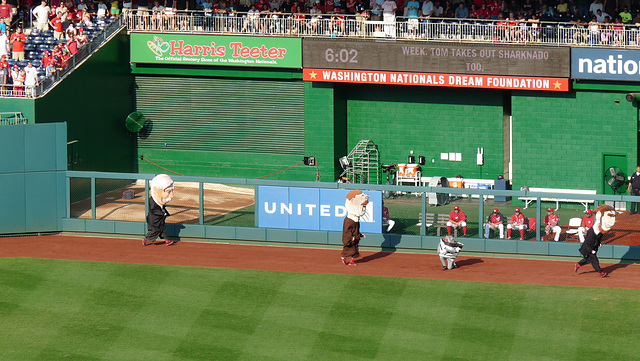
12, 118
353, 26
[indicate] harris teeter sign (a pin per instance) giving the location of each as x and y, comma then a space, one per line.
186, 49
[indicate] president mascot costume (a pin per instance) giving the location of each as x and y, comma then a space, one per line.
356, 207
161, 194
604, 221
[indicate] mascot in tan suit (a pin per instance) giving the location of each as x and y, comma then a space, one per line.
356, 207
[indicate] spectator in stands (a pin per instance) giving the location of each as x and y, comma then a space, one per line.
462, 12
17, 43
115, 8
82, 38
82, 5
86, 17
626, 16
41, 12
4, 44
72, 46
3, 75
427, 9
438, 10
562, 8
30, 80
594, 31
376, 10
70, 32
551, 225
483, 12
587, 223
595, 6
413, 7
46, 59
602, 16
102, 11
518, 222
457, 218
316, 15
534, 28
547, 13
18, 83
56, 24
389, 8
494, 221
496, 12
6, 12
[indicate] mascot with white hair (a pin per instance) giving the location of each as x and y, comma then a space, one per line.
356, 207
161, 189
604, 221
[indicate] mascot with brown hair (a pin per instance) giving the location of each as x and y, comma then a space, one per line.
161, 190
604, 221
356, 207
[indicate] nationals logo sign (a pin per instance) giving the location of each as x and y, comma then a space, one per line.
216, 50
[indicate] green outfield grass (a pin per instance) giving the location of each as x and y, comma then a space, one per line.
70, 310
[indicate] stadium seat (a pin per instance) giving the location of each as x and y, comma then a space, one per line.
35, 32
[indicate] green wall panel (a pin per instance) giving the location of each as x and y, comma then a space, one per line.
11, 148
94, 100
20, 105
560, 139
13, 210
430, 122
32, 177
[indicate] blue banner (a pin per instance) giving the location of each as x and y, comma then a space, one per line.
605, 64
313, 209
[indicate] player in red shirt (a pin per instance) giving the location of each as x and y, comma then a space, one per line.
494, 221
587, 223
551, 224
457, 218
518, 221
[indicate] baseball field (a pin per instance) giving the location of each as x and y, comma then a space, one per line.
86, 298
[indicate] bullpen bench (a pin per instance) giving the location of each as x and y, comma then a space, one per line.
584, 202
438, 221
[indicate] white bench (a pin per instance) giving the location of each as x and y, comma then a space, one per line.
584, 202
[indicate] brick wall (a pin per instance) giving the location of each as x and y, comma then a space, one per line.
560, 140
430, 121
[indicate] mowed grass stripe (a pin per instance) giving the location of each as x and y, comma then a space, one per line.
55, 310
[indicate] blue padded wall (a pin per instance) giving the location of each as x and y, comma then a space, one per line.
32, 177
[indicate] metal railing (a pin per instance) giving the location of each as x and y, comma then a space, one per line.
12, 118
354, 26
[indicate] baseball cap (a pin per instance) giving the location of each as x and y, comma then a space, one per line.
456, 208
495, 210
589, 211
550, 210
518, 210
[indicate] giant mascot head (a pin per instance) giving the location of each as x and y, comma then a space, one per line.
356, 204
605, 218
162, 189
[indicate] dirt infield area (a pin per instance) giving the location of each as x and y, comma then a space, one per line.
314, 260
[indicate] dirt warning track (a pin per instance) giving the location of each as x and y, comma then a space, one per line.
315, 260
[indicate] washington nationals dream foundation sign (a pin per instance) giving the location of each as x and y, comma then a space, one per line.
313, 209
188, 49
443, 65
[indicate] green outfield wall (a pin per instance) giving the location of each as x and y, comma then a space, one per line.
568, 140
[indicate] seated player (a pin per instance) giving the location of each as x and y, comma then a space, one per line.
457, 218
494, 221
518, 221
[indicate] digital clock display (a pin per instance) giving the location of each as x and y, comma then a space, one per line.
424, 57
